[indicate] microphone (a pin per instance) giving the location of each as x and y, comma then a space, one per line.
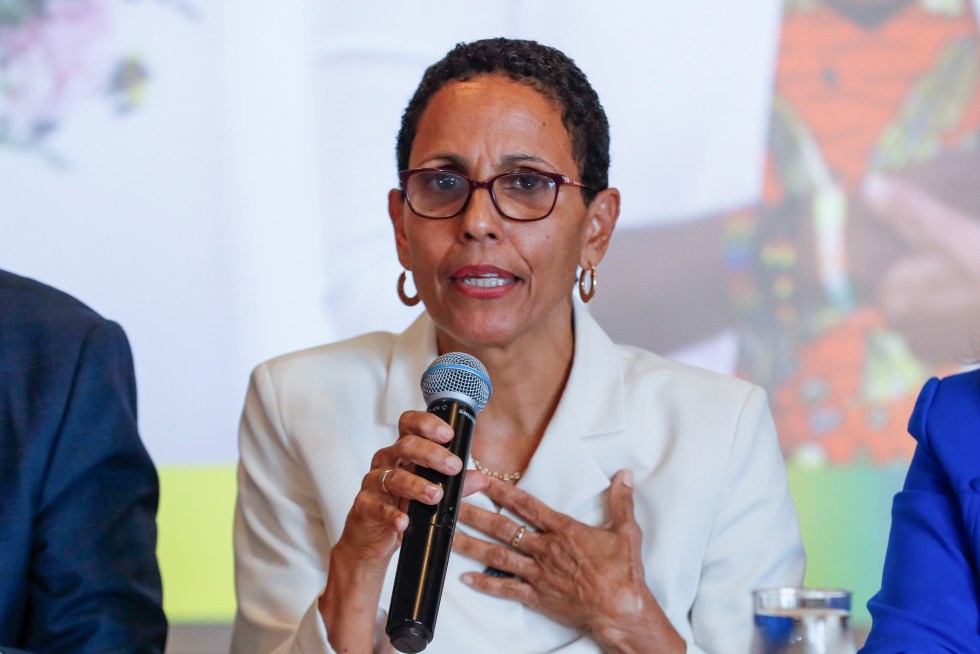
456, 387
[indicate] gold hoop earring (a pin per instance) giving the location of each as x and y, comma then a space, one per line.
587, 295
406, 300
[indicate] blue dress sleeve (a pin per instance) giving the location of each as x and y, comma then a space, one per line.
928, 600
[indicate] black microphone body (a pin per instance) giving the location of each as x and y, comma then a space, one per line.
427, 542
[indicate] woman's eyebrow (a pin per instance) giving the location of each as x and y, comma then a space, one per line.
453, 161
444, 160
524, 158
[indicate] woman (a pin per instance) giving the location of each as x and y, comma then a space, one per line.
651, 498
930, 592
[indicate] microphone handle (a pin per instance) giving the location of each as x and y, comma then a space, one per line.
427, 542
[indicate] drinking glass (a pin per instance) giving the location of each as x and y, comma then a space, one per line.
802, 621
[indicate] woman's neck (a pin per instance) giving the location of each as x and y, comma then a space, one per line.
529, 377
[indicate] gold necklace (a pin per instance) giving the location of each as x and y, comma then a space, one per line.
511, 476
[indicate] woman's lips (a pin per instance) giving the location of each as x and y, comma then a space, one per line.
483, 278
489, 281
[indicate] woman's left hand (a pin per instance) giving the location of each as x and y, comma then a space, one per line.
588, 578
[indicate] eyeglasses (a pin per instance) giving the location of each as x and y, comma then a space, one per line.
524, 195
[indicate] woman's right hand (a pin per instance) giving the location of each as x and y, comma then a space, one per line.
377, 520
378, 517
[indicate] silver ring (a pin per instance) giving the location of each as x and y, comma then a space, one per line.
384, 478
516, 540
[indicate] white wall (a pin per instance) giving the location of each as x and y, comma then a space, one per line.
239, 211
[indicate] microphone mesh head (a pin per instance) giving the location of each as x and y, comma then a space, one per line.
460, 374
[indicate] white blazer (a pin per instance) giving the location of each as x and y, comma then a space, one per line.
710, 489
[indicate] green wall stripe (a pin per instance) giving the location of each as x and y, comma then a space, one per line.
195, 520
844, 517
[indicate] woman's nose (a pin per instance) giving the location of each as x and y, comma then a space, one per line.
480, 219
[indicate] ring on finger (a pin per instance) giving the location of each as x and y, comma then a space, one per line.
516, 540
384, 478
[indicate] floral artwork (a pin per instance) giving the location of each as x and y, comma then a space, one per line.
56, 55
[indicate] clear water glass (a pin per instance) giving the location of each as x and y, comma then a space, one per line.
802, 621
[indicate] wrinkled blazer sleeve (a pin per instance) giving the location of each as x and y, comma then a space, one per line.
280, 541
755, 541
94, 581
306, 439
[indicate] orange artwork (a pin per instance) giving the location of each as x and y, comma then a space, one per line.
860, 93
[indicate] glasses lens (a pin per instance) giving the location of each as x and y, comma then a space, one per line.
436, 193
525, 196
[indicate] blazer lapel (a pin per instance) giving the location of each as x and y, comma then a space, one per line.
563, 472
414, 350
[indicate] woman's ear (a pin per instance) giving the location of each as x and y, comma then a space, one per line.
603, 214
396, 211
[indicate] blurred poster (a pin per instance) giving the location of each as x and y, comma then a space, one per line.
851, 277
800, 179
156, 164
800, 183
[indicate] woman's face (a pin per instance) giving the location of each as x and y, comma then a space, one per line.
486, 280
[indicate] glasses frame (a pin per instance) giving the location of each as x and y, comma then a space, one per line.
558, 179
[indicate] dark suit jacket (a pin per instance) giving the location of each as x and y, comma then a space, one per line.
930, 592
78, 492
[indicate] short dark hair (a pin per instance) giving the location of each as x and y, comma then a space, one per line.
545, 69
